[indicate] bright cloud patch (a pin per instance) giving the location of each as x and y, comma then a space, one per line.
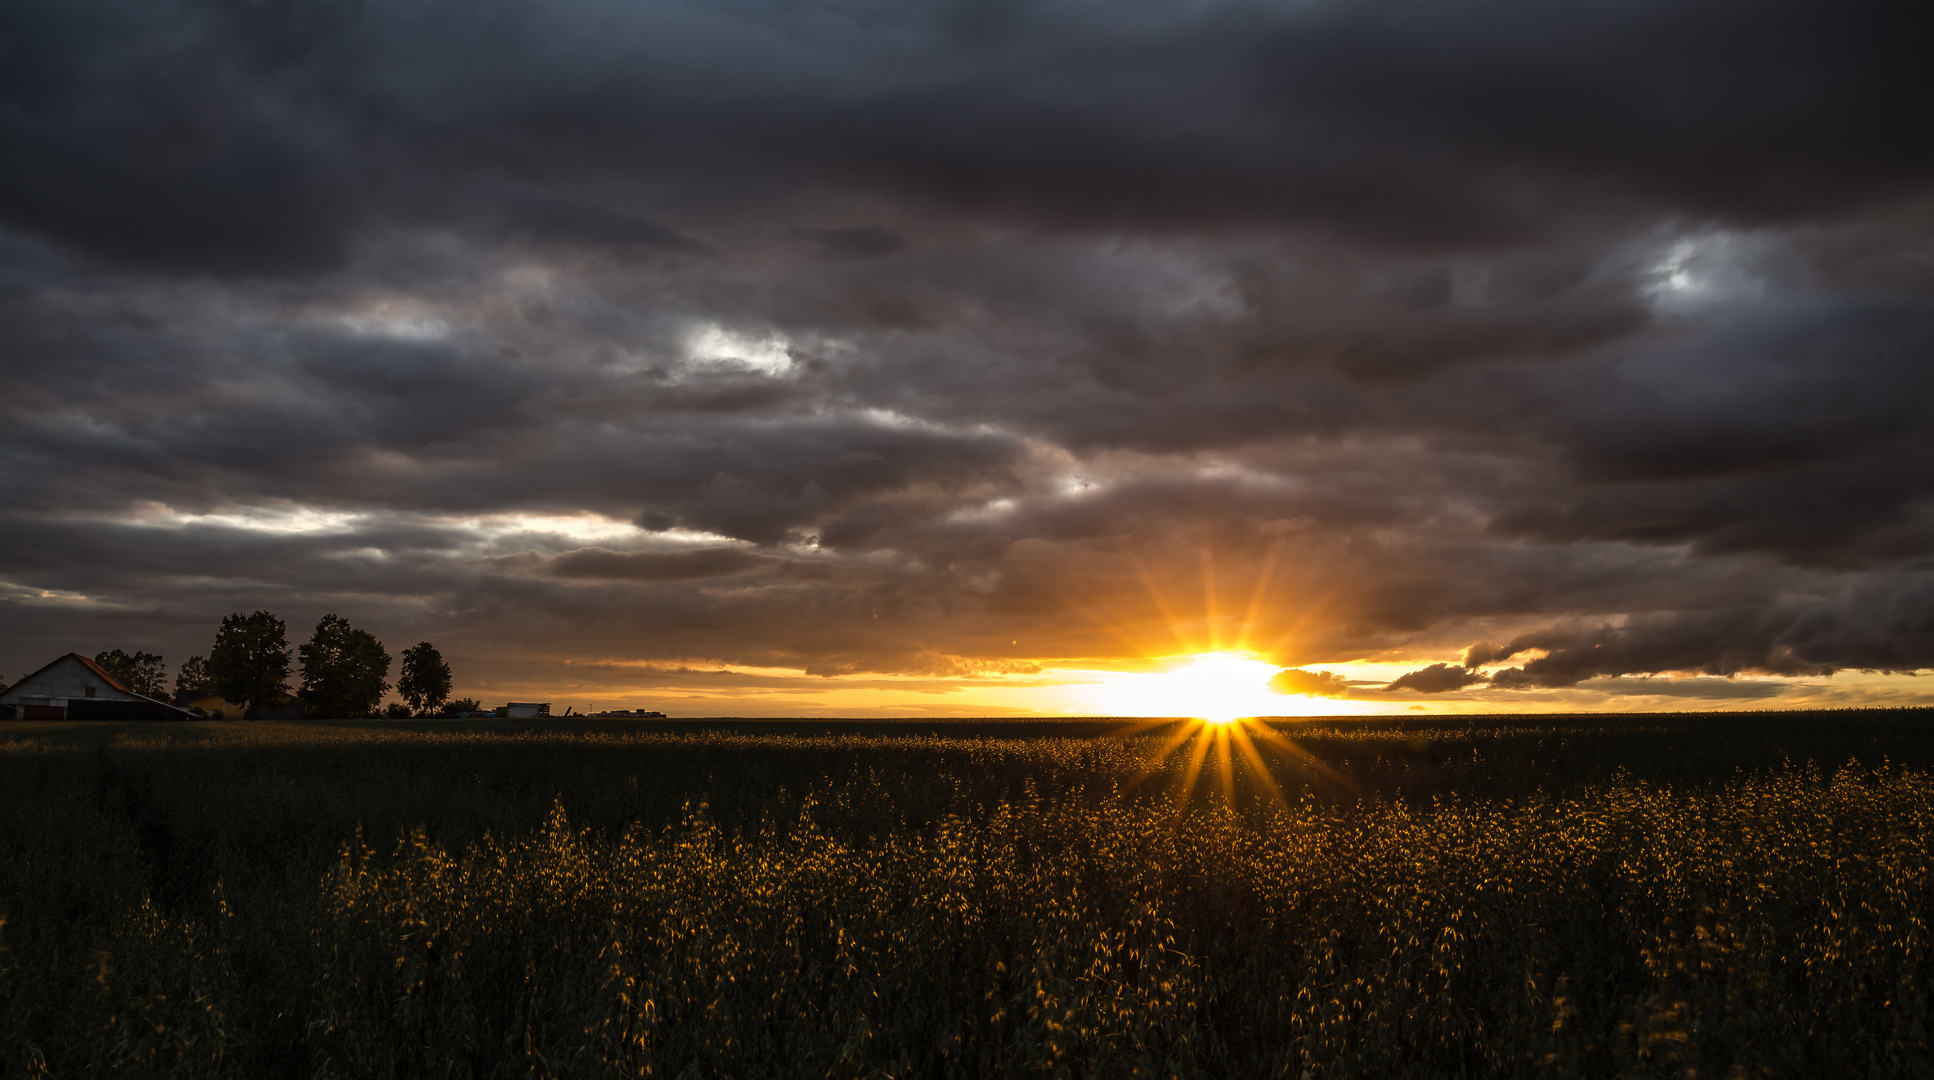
763, 352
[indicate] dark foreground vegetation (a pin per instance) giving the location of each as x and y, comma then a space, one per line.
1642, 896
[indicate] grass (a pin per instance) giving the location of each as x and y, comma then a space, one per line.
1590, 896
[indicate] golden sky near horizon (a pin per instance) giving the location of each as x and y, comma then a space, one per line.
1241, 686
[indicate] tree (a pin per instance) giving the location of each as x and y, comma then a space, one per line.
425, 680
192, 676
249, 664
142, 672
345, 671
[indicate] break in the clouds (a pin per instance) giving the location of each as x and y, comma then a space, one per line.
1526, 346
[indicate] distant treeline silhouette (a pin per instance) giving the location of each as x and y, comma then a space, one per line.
345, 671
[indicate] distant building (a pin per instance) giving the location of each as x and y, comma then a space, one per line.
216, 706
209, 702
75, 688
627, 714
526, 710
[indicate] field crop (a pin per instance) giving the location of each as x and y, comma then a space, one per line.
1643, 896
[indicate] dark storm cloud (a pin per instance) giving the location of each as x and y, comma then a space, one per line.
1798, 428
1709, 689
940, 338
266, 136
1435, 679
1878, 627
855, 242
593, 563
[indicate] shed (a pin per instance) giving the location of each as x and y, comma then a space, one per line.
75, 688
209, 702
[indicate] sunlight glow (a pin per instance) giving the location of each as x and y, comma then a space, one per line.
279, 520
1697, 271
398, 317
765, 352
1218, 687
586, 528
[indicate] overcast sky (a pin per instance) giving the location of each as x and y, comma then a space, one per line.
1555, 353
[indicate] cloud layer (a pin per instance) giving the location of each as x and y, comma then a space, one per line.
943, 339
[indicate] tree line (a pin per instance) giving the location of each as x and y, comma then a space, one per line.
345, 671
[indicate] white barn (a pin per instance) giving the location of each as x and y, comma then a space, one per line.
75, 688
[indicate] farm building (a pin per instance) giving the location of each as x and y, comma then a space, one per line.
75, 688
527, 710
209, 702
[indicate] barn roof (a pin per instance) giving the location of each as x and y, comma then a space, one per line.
91, 666
96, 669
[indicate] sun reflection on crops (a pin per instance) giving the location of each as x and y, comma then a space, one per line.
1230, 750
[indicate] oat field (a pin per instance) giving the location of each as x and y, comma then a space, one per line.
1682, 896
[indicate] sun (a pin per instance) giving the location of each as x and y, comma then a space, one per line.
1219, 687
1223, 695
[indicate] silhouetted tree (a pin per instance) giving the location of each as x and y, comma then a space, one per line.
249, 664
425, 679
345, 671
192, 676
142, 672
